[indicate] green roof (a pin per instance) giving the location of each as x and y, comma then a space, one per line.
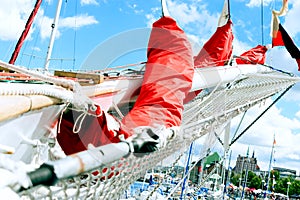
211, 159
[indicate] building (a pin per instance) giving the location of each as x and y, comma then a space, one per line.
203, 169
285, 172
245, 162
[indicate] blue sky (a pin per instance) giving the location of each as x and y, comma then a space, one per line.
85, 25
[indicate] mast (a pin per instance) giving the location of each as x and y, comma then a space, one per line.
186, 171
53, 33
270, 166
25, 32
226, 150
246, 174
262, 22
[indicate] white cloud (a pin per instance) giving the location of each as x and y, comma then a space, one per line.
151, 19
195, 41
260, 136
184, 12
88, 2
194, 18
44, 24
68, 22
37, 49
77, 21
256, 3
298, 114
291, 23
13, 17
135, 8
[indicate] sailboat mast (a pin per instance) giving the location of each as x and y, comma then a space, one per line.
270, 165
262, 22
25, 32
53, 33
186, 171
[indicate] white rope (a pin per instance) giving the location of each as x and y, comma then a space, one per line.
78, 98
68, 84
195, 111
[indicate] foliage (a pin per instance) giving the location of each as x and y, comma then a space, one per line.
280, 186
254, 181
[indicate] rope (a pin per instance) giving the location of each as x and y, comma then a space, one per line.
75, 35
78, 99
118, 67
195, 113
172, 167
246, 129
238, 127
272, 68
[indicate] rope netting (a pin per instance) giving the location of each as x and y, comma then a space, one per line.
209, 111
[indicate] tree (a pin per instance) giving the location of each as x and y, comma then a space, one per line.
294, 187
255, 182
235, 178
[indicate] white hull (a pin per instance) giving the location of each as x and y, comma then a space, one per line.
27, 134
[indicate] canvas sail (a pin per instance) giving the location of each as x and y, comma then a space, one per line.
218, 49
167, 80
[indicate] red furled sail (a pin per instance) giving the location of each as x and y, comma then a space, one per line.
218, 49
256, 55
25, 32
167, 79
77, 130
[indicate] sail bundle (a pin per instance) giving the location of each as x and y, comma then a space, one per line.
167, 79
255, 55
217, 50
166, 83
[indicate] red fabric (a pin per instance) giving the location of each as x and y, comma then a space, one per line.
256, 55
191, 96
93, 130
277, 41
167, 79
298, 62
284, 38
218, 49
25, 32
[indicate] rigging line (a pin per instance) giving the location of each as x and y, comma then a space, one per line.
278, 70
262, 22
228, 3
31, 56
75, 34
238, 127
218, 138
185, 175
246, 129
